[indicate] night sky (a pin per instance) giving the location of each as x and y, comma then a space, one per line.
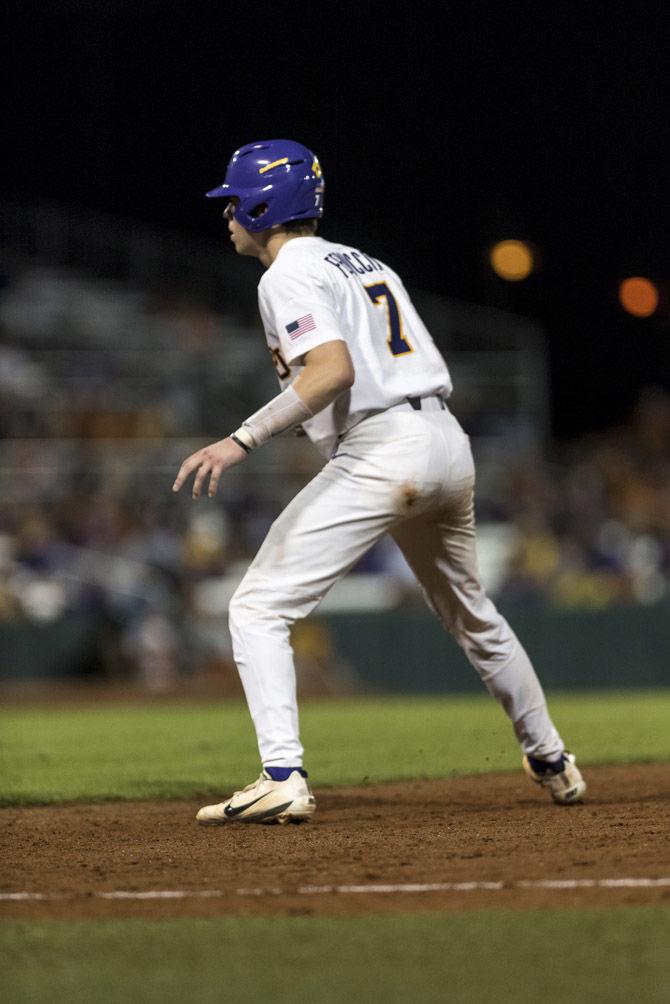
440, 128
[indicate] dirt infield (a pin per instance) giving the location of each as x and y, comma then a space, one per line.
375, 841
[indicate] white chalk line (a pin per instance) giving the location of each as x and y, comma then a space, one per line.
347, 890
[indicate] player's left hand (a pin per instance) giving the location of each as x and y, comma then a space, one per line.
212, 460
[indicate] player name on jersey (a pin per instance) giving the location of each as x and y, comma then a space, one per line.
353, 262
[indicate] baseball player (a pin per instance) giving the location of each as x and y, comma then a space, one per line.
362, 376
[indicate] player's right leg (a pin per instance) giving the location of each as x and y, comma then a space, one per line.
323, 531
315, 540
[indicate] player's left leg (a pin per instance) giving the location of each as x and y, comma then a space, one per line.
440, 549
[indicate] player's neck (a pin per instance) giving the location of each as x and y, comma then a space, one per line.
275, 242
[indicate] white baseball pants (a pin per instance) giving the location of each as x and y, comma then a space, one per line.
409, 473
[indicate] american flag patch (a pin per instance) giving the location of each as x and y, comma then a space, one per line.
299, 327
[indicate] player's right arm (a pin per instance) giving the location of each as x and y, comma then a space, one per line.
298, 308
328, 371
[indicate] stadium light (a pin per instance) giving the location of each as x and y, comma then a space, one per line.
638, 296
512, 260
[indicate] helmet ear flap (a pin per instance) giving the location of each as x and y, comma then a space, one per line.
259, 210
252, 210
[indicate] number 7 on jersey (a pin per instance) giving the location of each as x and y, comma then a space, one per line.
397, 343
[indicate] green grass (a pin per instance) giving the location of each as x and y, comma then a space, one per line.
172, 750
179, 750
591, 955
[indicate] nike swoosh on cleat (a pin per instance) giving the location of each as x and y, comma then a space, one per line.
231, 813
258, 817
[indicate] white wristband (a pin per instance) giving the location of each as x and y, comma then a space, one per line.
281, 413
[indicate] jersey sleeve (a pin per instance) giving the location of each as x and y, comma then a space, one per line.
299, 309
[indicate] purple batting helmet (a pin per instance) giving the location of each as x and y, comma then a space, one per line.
276, 180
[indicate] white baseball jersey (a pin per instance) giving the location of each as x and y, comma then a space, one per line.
317, 291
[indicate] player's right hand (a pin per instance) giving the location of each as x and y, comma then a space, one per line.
210, 460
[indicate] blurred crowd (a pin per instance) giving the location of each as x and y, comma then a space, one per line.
104, 391
592, 523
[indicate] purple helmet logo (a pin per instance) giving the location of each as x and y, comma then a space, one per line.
275, 180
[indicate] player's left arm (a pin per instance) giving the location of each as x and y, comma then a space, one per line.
328, 371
